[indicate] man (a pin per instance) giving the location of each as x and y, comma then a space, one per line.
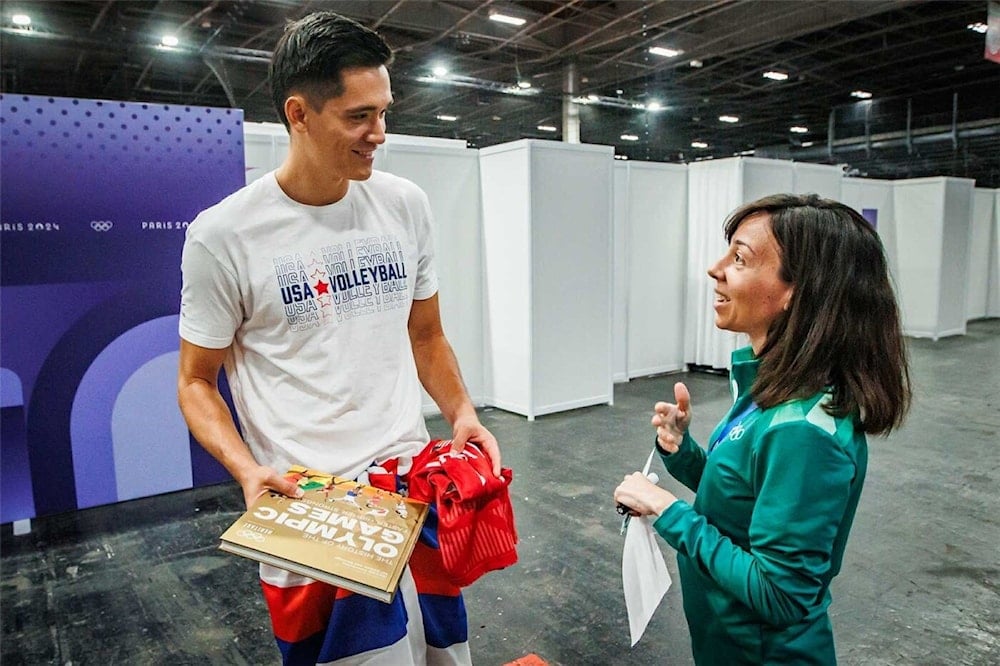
315, 288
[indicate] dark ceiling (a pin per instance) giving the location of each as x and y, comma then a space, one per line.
935, 108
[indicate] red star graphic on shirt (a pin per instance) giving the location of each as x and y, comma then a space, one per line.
320, 287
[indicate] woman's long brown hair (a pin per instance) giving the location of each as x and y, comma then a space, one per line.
842, 327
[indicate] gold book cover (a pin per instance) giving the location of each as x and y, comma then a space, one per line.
340, 531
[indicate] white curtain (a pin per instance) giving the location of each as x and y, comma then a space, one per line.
715, 189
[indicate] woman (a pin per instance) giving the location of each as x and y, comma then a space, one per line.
805, 278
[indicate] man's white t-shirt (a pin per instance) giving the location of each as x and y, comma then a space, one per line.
313, 303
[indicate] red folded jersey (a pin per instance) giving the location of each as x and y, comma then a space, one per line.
476, 531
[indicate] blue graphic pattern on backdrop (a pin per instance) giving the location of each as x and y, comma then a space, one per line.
96, 198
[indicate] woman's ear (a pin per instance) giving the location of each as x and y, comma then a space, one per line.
788, 298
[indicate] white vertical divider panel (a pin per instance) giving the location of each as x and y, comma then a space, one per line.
715, 189
571, 285
548, 208
993, 297
505, 175
657, 266
933, 217
449, 174
919, 206
955, 256
619, 275
875, 196
821, 179
980, 235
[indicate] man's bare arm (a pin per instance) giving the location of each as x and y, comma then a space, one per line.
438, 370
209, 420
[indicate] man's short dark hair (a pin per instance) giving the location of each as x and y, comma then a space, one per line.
312, 53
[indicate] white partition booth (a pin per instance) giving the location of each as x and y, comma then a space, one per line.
650, 267
715, 189
981, 231
932, 235
873, 199
547, 234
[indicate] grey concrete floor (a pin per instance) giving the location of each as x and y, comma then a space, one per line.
142, 582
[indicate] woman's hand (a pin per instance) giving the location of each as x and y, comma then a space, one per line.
644, 497
672, 420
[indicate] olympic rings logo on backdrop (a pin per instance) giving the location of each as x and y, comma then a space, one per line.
102, 225
249, 534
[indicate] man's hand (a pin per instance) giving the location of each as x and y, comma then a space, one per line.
262, 480
469, 429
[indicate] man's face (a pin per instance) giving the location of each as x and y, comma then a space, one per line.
344, 135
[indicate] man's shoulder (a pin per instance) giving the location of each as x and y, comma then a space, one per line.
385, 184
239, 205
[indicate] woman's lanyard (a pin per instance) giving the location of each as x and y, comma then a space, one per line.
737, 425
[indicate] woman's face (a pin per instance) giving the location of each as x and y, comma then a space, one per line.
749, 293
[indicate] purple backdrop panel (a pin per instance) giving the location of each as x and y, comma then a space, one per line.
96, 198
15, 491
119, 413
870, 214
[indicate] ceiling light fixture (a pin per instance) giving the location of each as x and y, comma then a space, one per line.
621, 157
664, 51
509, 20
979, 27
479, 84
547, 128
440, 71
807, 144
446, 117
729, 119
629, 137
169, 40
861, 94
697, 64
775, 75
699, 144
524, 85
616, 102
21, 20
798, 129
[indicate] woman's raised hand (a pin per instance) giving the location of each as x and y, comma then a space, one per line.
672, 420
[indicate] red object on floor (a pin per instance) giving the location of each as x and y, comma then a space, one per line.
528, 660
